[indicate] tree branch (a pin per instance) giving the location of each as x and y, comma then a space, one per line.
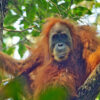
91, 87
31, 27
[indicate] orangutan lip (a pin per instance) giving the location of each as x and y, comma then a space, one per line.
62, 56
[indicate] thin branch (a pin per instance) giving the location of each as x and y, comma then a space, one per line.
9, 30
20, 31
25, 39
56, 7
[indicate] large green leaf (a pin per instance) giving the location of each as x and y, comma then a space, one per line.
30, 11
80, 11
97, 5
10, 27
54, 93
9, 51
10, 18
14, 89
35, 33
21, 49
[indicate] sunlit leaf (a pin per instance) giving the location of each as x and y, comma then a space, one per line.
14, 88
98, 19
35, 33
80, 11
9, 51
54, 93
21, 49
10, 18
97, 5
30, 11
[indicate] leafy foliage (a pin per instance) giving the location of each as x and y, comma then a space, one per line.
14, 89
23, 14
55, 93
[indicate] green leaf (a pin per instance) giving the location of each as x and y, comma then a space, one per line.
55, 10
35, 33
26, 24
64, 5
98, 19
77, 1
21, 49
30, 11
21, 1
15, 89
43, 4
55, 1
10, 18
90, 0
54, 93
80, 11
11, 34
4, 45
98, 97
97, 5
10, 27
9, 51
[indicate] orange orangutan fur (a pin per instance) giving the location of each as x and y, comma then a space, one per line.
84, 58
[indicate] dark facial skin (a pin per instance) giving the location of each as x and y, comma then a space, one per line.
60, 42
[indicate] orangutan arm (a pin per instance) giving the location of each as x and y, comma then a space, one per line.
91, 49
93, 60
9, 64
17, 67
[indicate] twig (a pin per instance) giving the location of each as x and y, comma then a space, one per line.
9, 30
56, 7
25, 39
20, 31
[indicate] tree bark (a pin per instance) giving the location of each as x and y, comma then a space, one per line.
90, 89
